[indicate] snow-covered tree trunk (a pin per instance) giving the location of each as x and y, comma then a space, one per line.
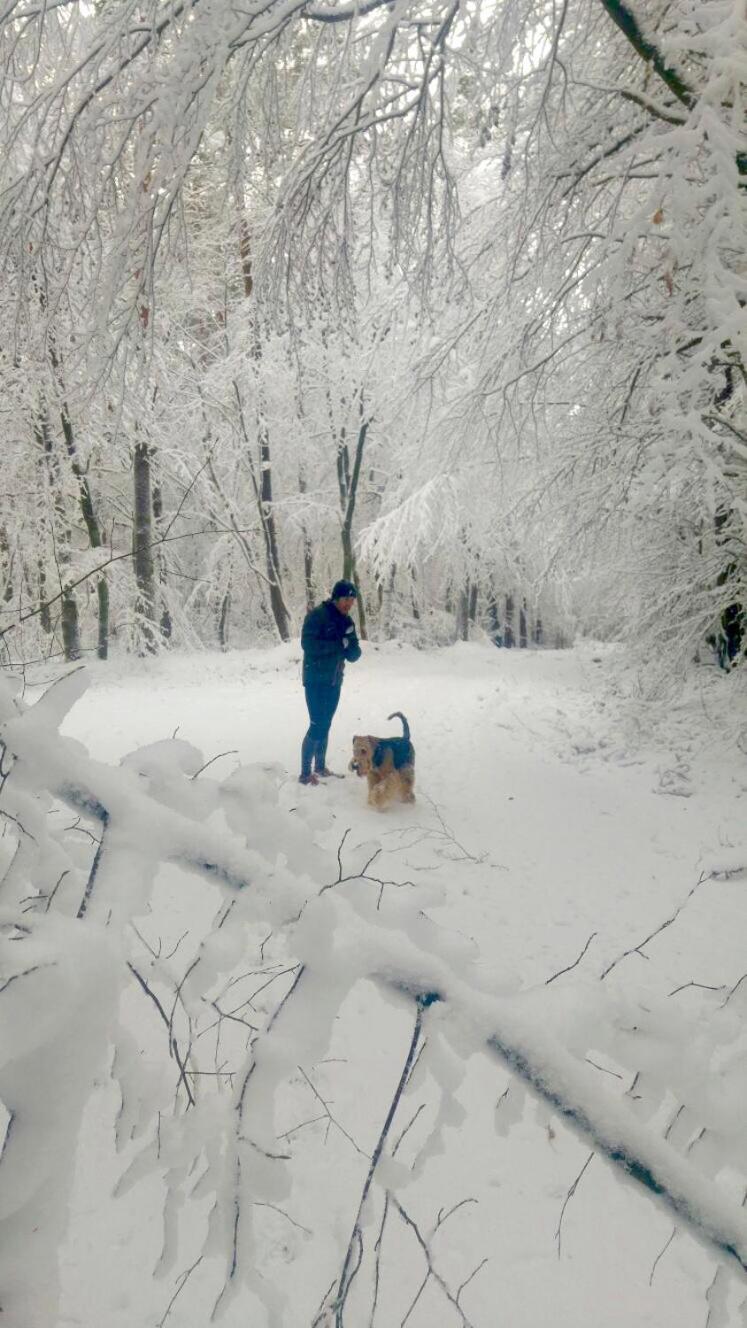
269, 530
387, 603
45, 616
94, 534
166, 625
509, 635
349, 482
70, 625
462, 614
59, 524
225, 608
262, 485
6, 568
86, 503
146, 629
308, 551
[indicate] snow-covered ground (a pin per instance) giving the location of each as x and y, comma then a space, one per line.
556, 815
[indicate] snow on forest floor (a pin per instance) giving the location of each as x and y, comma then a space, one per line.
553, 811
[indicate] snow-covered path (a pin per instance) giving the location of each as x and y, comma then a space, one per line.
584, 825
552, 823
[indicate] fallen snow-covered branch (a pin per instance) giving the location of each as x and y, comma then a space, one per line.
605, 1122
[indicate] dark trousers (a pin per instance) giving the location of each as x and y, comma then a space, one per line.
321, 700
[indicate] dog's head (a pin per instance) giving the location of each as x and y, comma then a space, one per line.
363, 750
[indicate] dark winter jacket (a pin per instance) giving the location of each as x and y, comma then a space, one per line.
328, 639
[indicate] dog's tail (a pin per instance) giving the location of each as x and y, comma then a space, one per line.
405, 726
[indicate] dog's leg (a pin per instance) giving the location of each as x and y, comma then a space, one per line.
373, 784
381, 794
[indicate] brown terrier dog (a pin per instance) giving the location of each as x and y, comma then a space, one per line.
387, 763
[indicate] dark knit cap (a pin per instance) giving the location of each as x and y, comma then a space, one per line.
344, 590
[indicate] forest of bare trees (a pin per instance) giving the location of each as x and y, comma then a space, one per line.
445, 297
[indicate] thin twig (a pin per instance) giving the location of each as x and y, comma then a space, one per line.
418, 1294
332, 1120
182, 1280
24, 974
732, 991
442, 1216
409, 1124
660, 1255
603, 1068
348, 1271
568, 1198
638, 949
467, 1280
313, 1120
702, 985
432, 1271
52, 894
232, 752
9, 817
378, 1249
94, 868
575, 963
173, 1045
258, 1203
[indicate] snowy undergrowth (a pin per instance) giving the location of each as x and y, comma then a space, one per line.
217, 985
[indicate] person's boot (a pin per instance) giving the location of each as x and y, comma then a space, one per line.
320, 763
308, 758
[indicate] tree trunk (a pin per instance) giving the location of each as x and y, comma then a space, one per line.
412, 575
45, 617
263, 488
463, 613
308, 553
245, 547
88, 512
223, 620
166, 624
147, 635
308, 572
523, 635
69, 615
269, 530
102, 596
70, 628
386, 604
348, 557
509, 639
494, 620
7, 574
348, 482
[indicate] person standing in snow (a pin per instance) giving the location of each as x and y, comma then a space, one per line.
328, 639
